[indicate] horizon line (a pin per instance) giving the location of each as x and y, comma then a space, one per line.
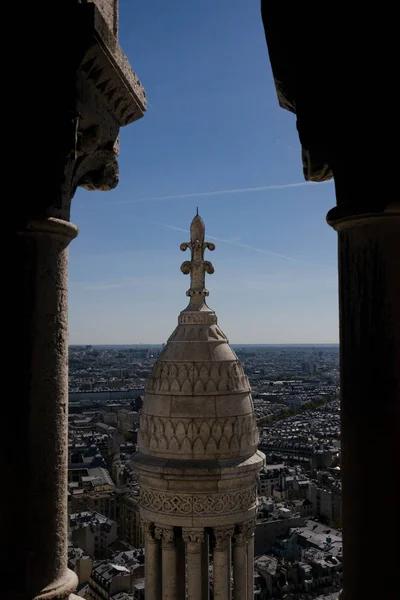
231, 344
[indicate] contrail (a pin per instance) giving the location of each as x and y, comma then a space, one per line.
263, 188
248, 247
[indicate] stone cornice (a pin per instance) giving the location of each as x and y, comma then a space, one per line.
108, 70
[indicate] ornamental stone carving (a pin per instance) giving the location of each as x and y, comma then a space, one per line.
199, 437
198, 378
106, 95
148, 530
166, 534
197, 504
222, 536
193, 535
244, 531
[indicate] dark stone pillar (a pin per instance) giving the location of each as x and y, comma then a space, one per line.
38, 516
369, 304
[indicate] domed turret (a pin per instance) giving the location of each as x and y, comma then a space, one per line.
198, 461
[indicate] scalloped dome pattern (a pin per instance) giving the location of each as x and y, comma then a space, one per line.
197, 402
198, 438
198, 379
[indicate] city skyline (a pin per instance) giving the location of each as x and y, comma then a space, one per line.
213, 137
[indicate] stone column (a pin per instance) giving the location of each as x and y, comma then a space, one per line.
369, 311
221, 559
152, 563
194, 539
240, 574
169, 562
40, 252
250, 566
205, 567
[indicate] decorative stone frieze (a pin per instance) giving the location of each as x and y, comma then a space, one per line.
168, 503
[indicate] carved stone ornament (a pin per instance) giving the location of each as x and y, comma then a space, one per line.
245, 531
197, 504
198, 378
199, 437
166, 534
197, 266
107, 95
222, 536
148, 529
193, 535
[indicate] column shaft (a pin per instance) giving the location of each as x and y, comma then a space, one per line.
250, 568
194, 570
152, 568
169, 571
43, 251
240, 570
369, 311
222, 566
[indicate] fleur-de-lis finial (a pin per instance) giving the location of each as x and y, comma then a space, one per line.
197, 267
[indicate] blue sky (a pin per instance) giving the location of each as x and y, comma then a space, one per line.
213, 124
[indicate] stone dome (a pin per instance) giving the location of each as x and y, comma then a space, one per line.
197, 402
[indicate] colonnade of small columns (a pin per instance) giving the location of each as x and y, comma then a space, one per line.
177, 562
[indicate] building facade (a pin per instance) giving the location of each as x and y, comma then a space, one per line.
130, 529
93, 532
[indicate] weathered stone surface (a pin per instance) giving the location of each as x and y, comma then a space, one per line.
87, 93
109, 11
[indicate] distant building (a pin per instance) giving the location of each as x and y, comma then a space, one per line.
312, 535
80, 562
326, 503
269, 479
130, 529
126, 420
104, 502
111, 577
269, 530
92, 532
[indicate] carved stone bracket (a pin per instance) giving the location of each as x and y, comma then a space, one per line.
100, 93
222, 536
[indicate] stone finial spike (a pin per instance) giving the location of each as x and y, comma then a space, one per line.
197, 267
